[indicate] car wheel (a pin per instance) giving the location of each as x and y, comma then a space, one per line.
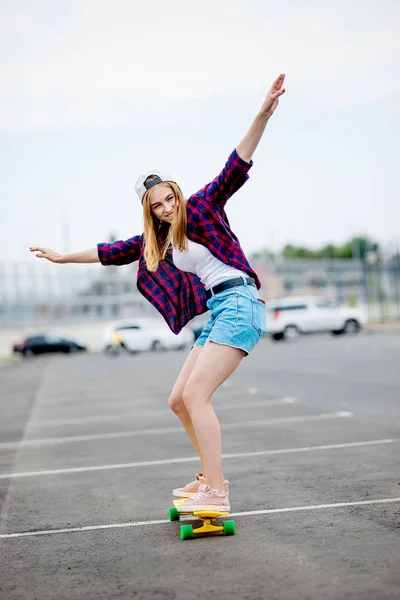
291, 333
351, 327
337, 332
28, 353
277, 336
111, 350
156, 346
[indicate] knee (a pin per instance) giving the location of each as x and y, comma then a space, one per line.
192, 397
176, 403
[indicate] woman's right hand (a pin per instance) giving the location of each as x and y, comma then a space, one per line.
47, 253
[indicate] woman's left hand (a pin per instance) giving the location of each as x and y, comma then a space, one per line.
250, 141
272, 99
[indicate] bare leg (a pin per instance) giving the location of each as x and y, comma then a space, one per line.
176, 400
215, 364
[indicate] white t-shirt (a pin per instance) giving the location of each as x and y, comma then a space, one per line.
198, 260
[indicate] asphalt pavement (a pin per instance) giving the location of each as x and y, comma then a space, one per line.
89, 454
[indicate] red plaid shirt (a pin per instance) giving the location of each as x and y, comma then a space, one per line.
177, 295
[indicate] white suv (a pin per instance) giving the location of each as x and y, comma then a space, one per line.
287, 318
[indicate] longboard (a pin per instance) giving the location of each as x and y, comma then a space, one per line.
208, 521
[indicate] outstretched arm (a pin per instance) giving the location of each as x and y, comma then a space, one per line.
86, 256
250, 141
235, 172
121, 252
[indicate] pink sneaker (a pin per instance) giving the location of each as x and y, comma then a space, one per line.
190, 489
206, 499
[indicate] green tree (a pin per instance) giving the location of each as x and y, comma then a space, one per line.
357, 247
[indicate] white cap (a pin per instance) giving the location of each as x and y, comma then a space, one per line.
141, 188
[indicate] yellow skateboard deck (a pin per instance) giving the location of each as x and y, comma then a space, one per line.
206, 516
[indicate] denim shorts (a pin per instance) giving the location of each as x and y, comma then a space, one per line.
237, 319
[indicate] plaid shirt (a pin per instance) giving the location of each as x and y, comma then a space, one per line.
178, 295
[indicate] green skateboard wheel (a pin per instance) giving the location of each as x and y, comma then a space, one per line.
229, 527
186, 532
173, 514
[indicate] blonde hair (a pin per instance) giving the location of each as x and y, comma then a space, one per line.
159, 234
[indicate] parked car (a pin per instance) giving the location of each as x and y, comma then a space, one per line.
144, 334
43, 344
288, 318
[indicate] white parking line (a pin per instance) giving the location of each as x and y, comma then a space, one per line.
222, 395
135, 412
167, 430
153, 463
269, 511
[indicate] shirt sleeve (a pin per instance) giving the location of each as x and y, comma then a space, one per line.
230, 180
121, 252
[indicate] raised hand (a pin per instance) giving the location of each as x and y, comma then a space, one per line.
250, 141
47, 253
272, 99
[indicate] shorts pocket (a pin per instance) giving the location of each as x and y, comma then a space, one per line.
259, 316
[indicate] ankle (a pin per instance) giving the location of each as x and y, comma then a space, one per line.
219, 487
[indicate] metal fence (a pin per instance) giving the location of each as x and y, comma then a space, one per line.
44, 293
48, 293
373, 284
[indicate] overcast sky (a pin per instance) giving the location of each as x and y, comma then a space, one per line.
94, 92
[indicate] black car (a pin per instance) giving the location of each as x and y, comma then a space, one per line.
43, 344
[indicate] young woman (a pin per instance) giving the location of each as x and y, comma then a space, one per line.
191, 261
